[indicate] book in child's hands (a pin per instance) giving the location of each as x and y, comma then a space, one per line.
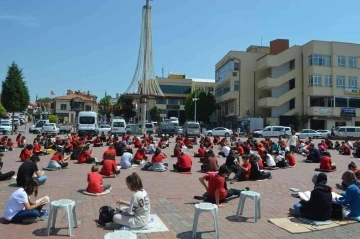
46, 198
306, 195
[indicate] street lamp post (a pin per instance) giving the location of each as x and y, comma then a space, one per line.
195, 100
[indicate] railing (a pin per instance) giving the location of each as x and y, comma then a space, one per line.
280, 74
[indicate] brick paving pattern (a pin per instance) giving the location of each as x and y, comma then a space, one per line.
171, 195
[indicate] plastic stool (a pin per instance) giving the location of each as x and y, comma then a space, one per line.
69, 206
120, 234
255, 197
205, 207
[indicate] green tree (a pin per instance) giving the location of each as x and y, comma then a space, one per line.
104, 105
155, 114
2, 110
205, 105
44, 100
15, 93
53, 119
125, 108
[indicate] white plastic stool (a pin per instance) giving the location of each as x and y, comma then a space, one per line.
69, 206
255, 197
120, 234
205, 207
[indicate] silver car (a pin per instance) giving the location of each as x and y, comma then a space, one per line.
306, 133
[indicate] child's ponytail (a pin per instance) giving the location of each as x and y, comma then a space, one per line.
135, 182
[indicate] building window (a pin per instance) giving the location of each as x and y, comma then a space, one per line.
234, 73
236, 66
161, 101
341, 60
181, 102
292, 64
175, 89
292, 84
292, 104
319, 60
341, 102
315, 80
236, 85
352, 62
173, 102
222, 72
222, 90
340, 81
352, 82
354, 102
63, 106
328, 80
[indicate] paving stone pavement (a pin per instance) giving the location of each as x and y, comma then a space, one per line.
171, 195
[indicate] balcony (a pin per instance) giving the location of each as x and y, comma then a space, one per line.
276, 81
231, 95
269, 102
327, 111
266, 62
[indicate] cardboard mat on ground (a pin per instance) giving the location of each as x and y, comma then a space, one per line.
295, 225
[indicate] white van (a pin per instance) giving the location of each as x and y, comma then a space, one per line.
351, 131
191, 129
274, 131
87, 123
118, 126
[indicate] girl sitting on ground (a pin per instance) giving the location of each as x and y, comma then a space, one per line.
20, 208
95, 181
351, 197
140, 155
10, 145
157, 162
109, 167
58, 161
137, 214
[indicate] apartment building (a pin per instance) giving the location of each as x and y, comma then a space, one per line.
176, 87
318, 79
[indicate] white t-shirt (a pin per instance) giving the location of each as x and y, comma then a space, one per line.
293, 140
140, 208
279, 158
226, 150
126, 159
270, 162
15, 203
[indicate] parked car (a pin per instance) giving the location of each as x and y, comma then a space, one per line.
167, 128
150, 129
219, 131
5, 126
274, 131
50, 129
104, 128
306, 133
65, 128
255, 132
324, 133
179, 130
133, 129
36, 128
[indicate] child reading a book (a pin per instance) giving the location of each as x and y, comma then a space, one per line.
352, 195
20, 208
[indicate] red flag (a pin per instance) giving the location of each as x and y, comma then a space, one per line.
52, 93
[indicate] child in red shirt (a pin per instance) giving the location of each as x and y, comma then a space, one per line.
97, 142
85, 156
26, 153
346, 150
326, 163
10, 145
201, 152
290, 158
140, 155
109, 167
183, 164
21, 142
95, 181
243, 170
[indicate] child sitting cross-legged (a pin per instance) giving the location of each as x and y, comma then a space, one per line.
109, 167
95, 181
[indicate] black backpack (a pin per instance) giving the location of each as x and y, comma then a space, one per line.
106, 214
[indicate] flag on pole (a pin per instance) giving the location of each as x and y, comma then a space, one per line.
52, 93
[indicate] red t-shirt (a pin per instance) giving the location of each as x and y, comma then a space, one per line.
248, 167
108, 152
139, 155
177, 152
184, 161
97, 141
325, 163
94, 186
347, 149
240, 149
37, 148
70, 146
83, 155
10, 144
57, 157
25, 154
157, 158
137, 144
108, 168
216, 182
261, 164
160, 144
201, 152
20, 142
291, 159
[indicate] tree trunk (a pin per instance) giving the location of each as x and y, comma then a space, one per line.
12, 124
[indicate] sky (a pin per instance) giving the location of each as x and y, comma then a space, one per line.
93, 44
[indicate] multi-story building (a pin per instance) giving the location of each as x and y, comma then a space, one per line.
318, 80
176, 87
64, 106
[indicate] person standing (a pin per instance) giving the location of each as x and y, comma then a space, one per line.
294, 140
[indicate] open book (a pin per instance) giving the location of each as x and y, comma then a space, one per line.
46, 197
306, 195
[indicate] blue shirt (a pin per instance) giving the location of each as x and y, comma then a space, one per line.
126, 159
314, 155
352, 198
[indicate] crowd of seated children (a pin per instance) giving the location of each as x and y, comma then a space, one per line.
326, 162
313, 156
183, 164
352, 167
351, 197
85, 156
345, 149
242, 171
139, 156
256, 172
58, 160
319, 206
4, 176
216, 188
95, 181
210, 163
109, 166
